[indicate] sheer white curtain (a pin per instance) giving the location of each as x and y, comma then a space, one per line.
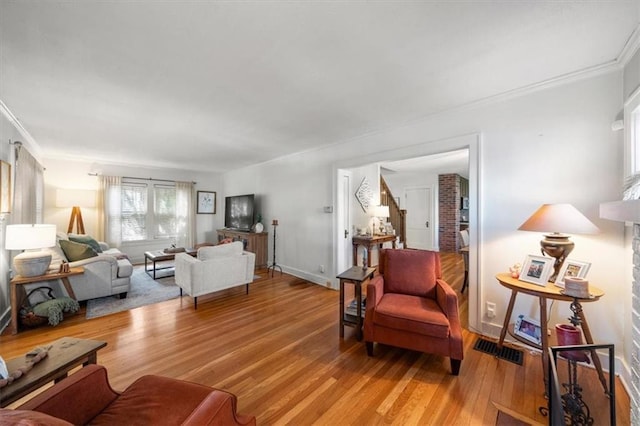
109, 210
185, 214
28, 198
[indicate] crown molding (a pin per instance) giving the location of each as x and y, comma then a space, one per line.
630, 47
29, 141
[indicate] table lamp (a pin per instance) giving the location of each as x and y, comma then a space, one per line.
75, 198
30, 237
555, 220
381, 212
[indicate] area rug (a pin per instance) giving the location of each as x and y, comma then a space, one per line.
144, 291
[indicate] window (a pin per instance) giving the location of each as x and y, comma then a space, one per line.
148, 211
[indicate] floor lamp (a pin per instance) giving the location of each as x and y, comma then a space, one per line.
76, 198
274, 265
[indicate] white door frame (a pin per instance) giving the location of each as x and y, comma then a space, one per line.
472, 142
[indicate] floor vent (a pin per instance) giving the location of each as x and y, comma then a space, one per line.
509, 354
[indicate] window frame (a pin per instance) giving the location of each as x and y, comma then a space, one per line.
151, 218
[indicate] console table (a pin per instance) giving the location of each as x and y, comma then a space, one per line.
20, 281
369, 243
63, 355
549, 291
255, 242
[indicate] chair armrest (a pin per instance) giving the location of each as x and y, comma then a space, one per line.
78, 398
448, 301
375, 291
218, 408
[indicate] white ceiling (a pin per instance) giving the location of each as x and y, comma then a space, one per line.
215, 86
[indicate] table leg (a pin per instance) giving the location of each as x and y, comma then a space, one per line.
14, 309
369, 256
594, 355
545, 341
92, 358
358, 290
67, 286
342, 308
355, 255
507, 318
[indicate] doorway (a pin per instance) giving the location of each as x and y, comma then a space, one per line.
470, 145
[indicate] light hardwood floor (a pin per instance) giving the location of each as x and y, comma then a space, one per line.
278, 349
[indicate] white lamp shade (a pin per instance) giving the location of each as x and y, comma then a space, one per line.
75, 198
28, 237
381, 211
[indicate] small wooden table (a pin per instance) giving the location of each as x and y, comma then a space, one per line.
369, 243
355, 275
20, 280
160, 256
549, 291
64, 355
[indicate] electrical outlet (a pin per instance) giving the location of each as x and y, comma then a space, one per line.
322, 269
491, 309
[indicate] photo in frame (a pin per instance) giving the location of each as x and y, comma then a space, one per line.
572, 268
536, 269
528, 329
206, 202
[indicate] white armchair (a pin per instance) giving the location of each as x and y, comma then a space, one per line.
216, 268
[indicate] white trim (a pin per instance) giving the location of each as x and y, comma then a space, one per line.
630, 47
631, 163
29, 141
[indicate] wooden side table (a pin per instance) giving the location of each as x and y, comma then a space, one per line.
19, 281
369, 243
356, 276
549, 291
64, 355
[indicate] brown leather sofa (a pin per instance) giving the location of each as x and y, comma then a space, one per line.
86, 397
410, 306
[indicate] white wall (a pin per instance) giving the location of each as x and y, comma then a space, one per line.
68, 174
552, 145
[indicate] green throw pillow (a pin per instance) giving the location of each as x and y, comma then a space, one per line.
85, 239
76, 251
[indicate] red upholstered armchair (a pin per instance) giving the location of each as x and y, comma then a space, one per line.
411, 307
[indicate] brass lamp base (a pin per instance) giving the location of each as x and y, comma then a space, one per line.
558, 246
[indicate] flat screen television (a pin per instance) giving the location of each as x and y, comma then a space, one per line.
238, 212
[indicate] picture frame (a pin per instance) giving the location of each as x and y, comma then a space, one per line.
529, 329
536, 270
5, 187
572, 268
206, 202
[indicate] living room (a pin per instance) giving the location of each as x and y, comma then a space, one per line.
535, 142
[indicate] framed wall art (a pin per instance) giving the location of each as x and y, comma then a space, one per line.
537, 269
206, 202
572, 268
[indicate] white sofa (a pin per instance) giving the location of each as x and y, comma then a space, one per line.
107, 274
215, 268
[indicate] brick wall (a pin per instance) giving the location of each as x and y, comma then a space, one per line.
449, 212
635, 331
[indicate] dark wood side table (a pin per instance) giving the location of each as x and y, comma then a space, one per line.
369, 243
356, 276
64, 355
549, 291
19, 281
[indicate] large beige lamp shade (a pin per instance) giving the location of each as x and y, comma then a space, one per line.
75, 198
31, 238
556, 221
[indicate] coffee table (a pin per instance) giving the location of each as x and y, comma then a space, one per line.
64, 355
160, 256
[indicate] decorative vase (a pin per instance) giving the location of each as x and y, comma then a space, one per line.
259, 227
569, 335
